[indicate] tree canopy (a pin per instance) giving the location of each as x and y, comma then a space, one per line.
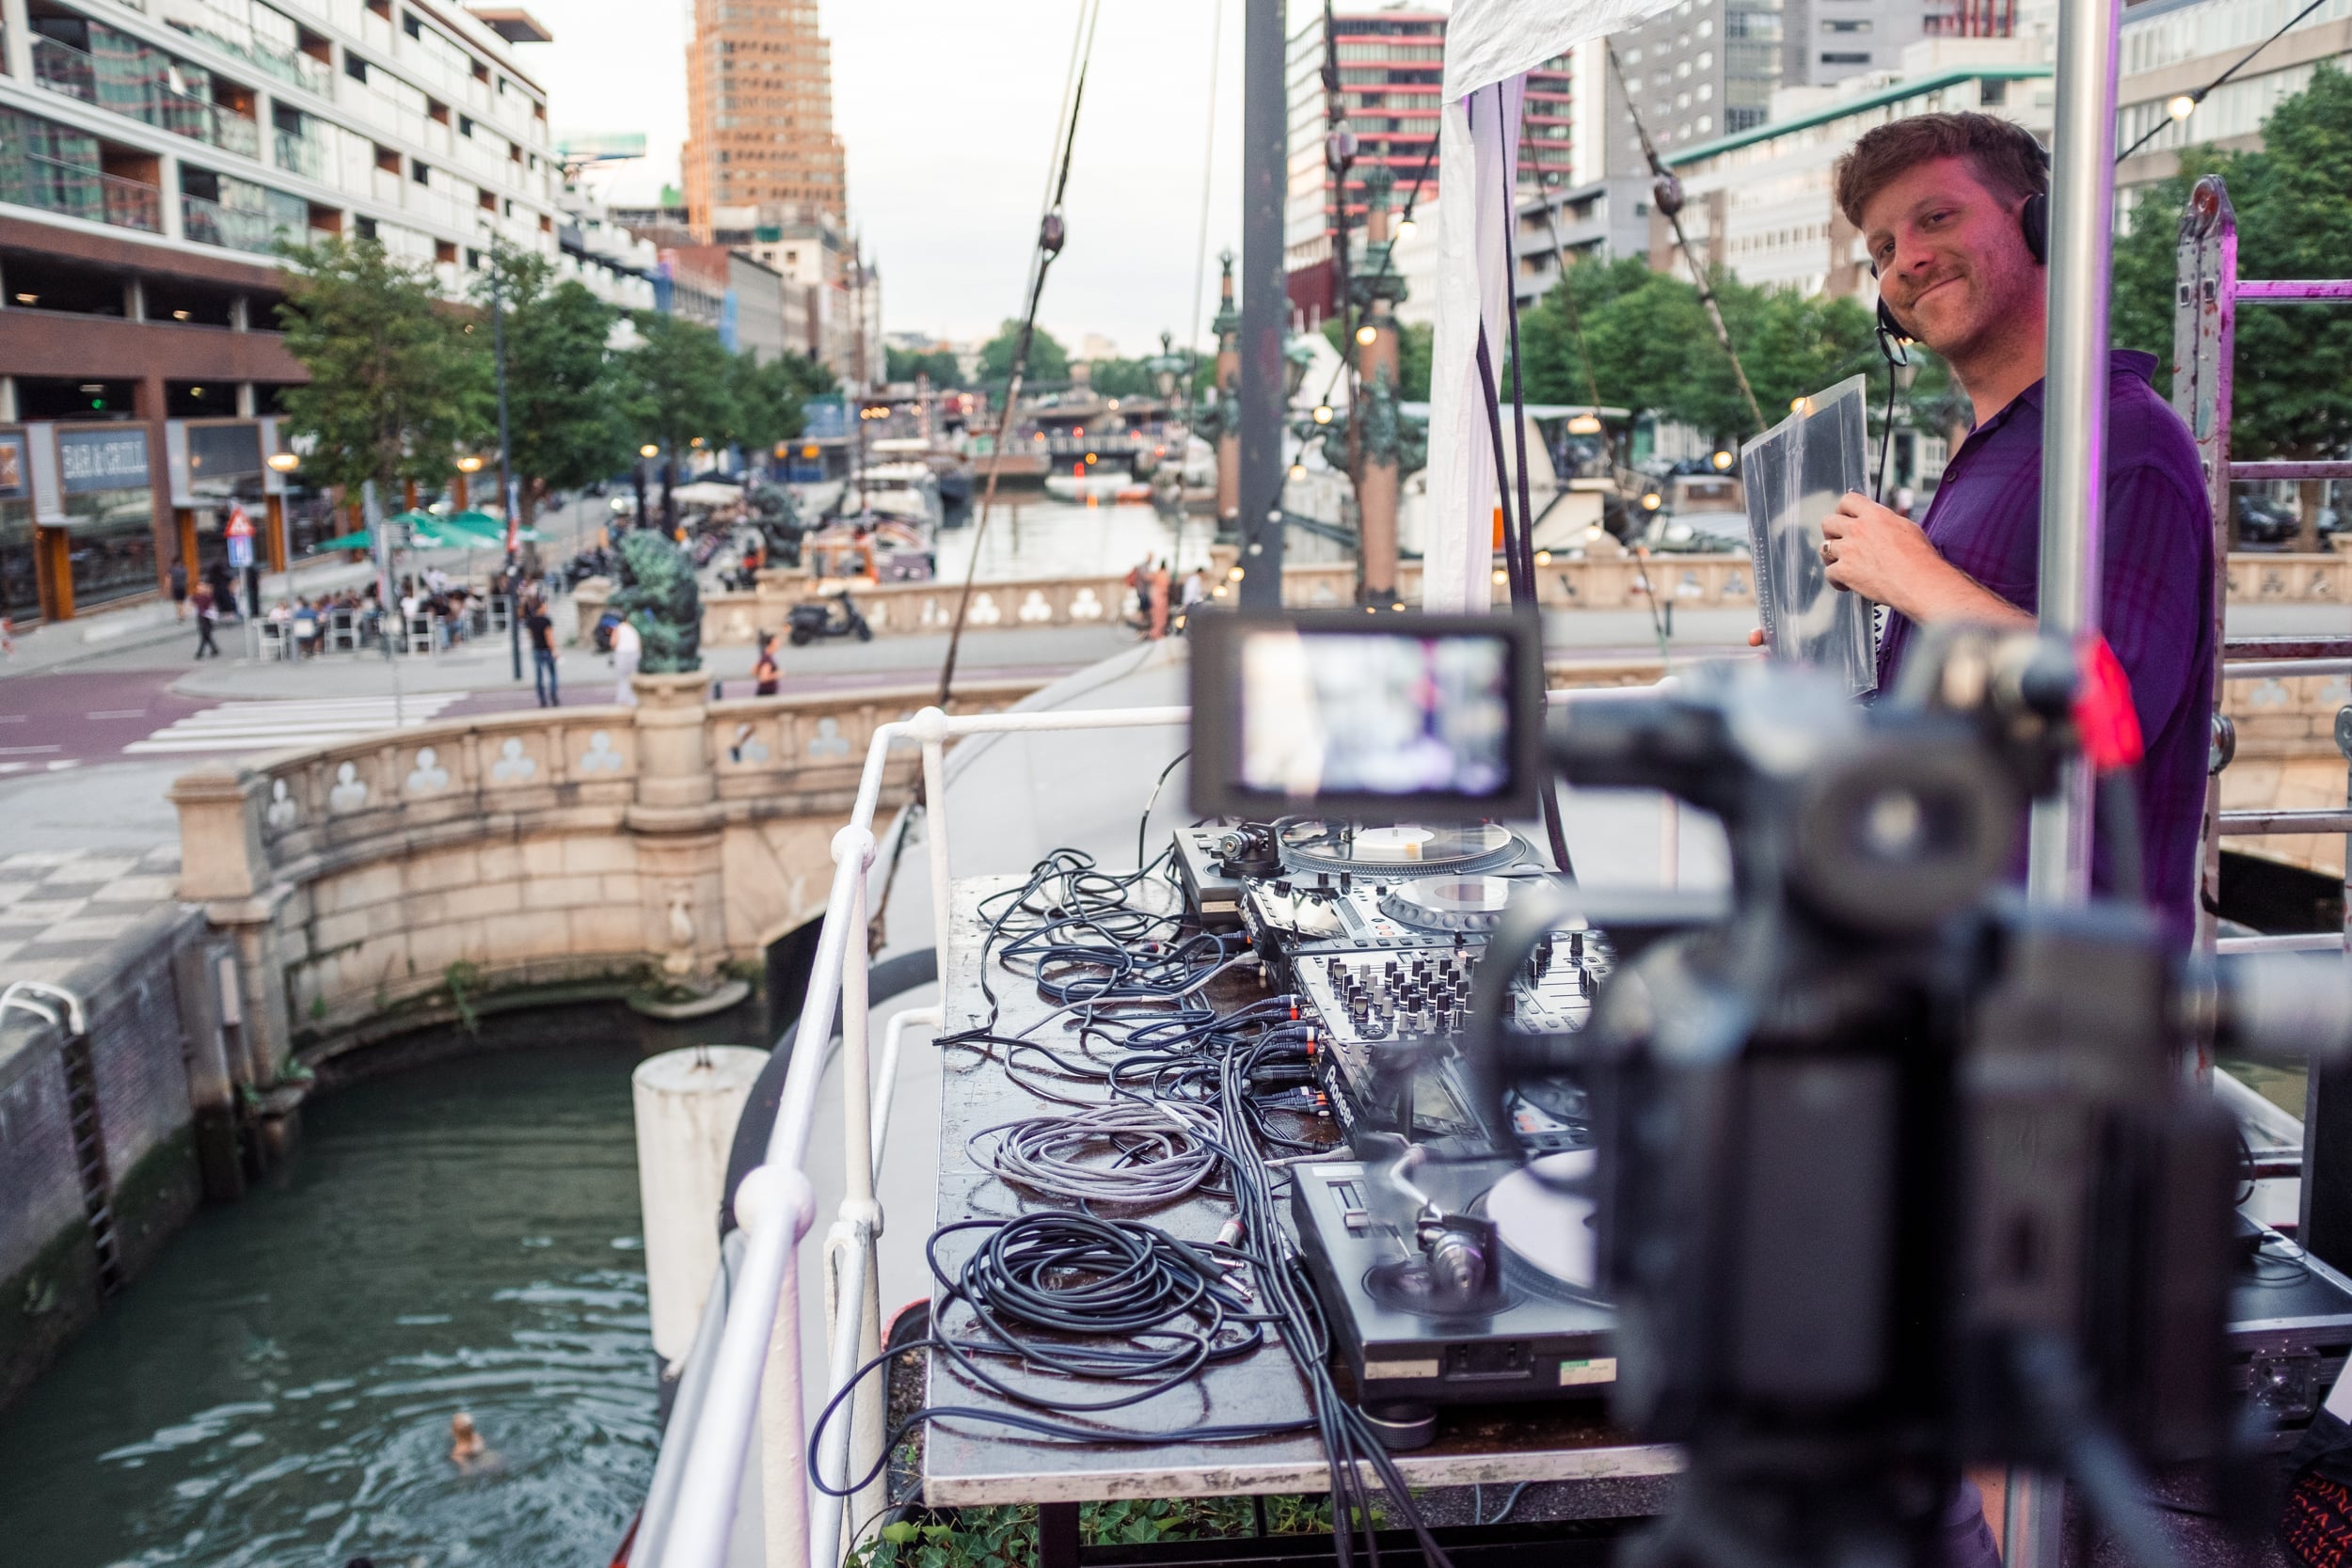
1651, 347
397, 385
1049, 362
906, 364
683, 385
565, 394
2291, 396
1413, 340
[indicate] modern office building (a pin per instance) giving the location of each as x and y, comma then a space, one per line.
1389, 67
1760, 202
2175, 47
759, 115
152, 157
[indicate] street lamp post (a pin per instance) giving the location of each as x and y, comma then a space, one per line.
506, 469
637, 472
468, 467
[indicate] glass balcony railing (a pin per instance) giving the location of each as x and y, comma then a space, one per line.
80, 190
300, 154
232, 228
62, 68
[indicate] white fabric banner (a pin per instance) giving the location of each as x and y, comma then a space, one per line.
1489, 40
1478, 147
1490, 45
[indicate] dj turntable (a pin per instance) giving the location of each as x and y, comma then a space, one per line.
1481, 1293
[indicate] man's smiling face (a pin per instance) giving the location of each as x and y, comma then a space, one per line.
1950, 254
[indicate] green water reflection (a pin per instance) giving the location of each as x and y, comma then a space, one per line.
277, 1391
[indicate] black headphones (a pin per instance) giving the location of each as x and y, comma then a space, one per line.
2034, 218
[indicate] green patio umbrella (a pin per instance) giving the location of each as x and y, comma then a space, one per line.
489, 528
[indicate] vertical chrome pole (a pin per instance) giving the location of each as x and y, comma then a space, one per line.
2073, 472
1265, 302
2075, 400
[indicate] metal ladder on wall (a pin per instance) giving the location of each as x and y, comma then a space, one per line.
2204, 335
63, 1011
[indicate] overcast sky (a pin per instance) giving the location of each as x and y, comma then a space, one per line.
945, 108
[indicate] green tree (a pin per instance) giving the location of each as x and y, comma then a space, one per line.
564, 390
681, 385
397, 384
1121, 378
770, 402
2292, 393
1642, 341
1412, 356
906, 364
1049, 362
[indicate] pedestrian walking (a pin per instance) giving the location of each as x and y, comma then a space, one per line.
542, 632
179, 589
627, 647
766, 675
1158, 586
205, 615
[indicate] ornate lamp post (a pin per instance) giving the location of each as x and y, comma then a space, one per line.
1375, 431
468, 467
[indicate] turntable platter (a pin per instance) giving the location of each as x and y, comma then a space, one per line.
1388, 851
1548, 1232
1449, 903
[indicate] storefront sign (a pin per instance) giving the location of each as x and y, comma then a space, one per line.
15, 477
114, 458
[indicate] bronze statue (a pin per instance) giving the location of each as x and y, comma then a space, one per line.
659, 593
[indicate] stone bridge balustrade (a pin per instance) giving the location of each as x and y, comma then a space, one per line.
376, 885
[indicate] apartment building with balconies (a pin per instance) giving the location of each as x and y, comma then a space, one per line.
154, 156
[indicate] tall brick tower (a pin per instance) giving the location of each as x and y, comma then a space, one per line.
760, 149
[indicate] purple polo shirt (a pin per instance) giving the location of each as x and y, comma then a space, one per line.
2156, 605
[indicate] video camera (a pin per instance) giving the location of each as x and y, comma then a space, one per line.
1893, 1172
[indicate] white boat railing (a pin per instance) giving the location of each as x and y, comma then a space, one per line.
752, 1380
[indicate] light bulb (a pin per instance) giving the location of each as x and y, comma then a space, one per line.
2181, 105
1367, 335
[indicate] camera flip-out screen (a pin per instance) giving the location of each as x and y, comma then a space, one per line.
1431, 717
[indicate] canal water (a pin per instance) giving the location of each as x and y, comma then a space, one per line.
276, 1392
1033, 535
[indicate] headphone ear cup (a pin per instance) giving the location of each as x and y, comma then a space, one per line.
2035, 219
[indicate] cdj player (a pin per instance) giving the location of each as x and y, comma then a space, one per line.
1459, 1290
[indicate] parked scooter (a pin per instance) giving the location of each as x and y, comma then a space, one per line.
809, 622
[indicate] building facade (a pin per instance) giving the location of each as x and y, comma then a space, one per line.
1389, 69
759, 116
2172, 47
152, 160
1759, 203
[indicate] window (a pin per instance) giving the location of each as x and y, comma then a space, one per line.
353, 67
445, 252
436, 111
387, 160
1991, 94
1842, 25
486, 200
381, 7
411, 25
480, 72
1831, 56
366, 226
419, 172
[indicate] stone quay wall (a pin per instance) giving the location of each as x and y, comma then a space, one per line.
371, 886
1616, 580
151, 1067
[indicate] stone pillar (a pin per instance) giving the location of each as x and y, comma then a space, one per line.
223, 867
674, 822
1228, 328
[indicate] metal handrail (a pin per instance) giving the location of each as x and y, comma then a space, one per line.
755, 1373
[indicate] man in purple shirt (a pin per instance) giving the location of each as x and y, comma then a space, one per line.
1941, 202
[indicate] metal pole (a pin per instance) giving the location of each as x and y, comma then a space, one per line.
506, 469
1264, 303
387, 596
2073, 471
2074, 404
